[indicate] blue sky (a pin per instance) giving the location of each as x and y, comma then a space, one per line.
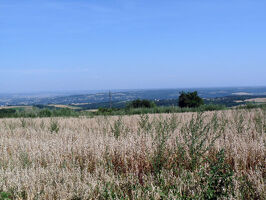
50, 45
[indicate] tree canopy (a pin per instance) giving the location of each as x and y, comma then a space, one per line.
138, 103
190, 99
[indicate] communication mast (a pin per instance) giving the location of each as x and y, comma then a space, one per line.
110, 99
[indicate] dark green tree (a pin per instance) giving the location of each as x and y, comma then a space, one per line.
141, 104
189, 99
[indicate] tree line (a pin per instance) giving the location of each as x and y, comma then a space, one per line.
186, 100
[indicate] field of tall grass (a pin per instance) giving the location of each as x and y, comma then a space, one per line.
203, 155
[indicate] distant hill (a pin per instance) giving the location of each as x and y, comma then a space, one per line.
121, 97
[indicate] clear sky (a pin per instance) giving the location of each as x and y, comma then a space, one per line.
50, 45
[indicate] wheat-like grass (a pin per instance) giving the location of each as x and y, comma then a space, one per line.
83, 158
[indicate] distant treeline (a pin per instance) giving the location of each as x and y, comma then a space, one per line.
66, 112
234, 100
228, 101
187, 102
36, 112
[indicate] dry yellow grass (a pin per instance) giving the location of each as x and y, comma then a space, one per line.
63, 106
257, 100
7, 107
89, 158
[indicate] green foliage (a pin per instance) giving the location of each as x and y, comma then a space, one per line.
118, 127
124, 190
197, 138
218, 182
239, 122
7, 113
45, 113
54, 126
107, 111
259, 120
248, 189
5, 196
144, 123
25, 159
141, 104
162, 128
66, 112
190, 99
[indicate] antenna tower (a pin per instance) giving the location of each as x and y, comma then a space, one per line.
110, 99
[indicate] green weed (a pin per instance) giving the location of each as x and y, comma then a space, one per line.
54, 126
218, 181
118, 127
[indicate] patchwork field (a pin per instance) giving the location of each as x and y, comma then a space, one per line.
210, 155
257, 100
21, 107
63, 106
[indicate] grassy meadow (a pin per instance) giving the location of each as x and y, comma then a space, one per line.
200, 155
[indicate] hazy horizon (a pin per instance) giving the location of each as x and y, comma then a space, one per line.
52, 45
81, 92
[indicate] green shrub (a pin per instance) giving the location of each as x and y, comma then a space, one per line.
144, 123
107, 111
196, 134
54, 126
141, 104
45, 113
190, 99
5, 196
7, 113
162, 128
218, 182
25, 159
118, 127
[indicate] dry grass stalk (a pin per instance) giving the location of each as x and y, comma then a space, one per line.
84, 160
